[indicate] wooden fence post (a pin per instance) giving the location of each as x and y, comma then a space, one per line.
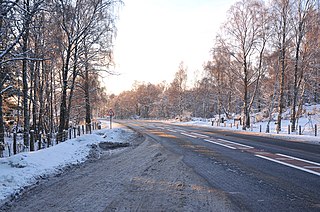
299, 129
9, 149
74, 132
31, 140
48, 140
70, 132
14, 143
39, 141
65, 135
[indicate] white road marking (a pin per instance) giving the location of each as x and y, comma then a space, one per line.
200, 135
284, 159
171, 130
307, 161
214, 142
312, 167
290, 165
189, 135
249, 147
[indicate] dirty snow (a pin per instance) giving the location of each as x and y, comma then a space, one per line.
26, 168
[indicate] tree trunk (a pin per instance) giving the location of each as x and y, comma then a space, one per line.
26, 120
295, 89
246, 115
87, 96
1, 87
283, 65
1, 126
63, 104
41, 99
33, 96
74, 76
35, 106
281, 96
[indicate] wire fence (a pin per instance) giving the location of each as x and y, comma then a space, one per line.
14, 142
301, 130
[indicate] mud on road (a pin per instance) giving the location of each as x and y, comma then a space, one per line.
141, 177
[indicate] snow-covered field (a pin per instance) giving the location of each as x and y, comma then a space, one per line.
310, 118
26, 168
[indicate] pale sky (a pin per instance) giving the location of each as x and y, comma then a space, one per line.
154, 36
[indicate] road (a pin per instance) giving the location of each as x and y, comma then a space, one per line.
255, 173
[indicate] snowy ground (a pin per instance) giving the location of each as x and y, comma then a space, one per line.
142, 177
26, 168
309, 119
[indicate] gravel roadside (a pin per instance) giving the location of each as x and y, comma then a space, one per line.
141, 177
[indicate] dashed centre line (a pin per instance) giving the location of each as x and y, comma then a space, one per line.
290, 161
200, 135
186, 134
240, 146
219, 143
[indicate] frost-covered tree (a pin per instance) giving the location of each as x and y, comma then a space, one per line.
176, 92
301, 21
244, 40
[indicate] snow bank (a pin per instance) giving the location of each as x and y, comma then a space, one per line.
25, 169
307, 121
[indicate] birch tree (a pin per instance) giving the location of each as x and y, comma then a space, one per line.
176, 91
77, 20
243, 43
15, 19
301, 21
280, 12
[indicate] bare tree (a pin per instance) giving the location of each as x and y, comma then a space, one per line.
244, 43
300, 17
176, 91
280, 13
15, 20
77, 19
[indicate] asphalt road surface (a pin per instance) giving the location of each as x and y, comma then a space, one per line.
255, 173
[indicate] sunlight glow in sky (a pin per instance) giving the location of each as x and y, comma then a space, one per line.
154, 36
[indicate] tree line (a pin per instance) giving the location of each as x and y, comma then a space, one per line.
52, 53
266, 58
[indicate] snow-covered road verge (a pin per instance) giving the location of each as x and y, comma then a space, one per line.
306, 137
26, 168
